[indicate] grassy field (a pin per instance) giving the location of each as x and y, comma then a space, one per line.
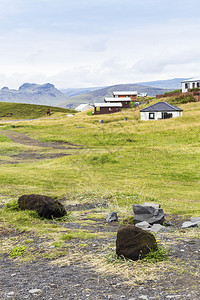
125, 162
16, 111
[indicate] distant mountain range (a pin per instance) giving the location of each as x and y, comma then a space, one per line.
45, 94
152, 88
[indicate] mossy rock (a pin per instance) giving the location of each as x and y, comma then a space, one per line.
134, 243
45, 206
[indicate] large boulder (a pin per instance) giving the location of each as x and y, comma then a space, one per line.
134, 243
45, 206
148, 213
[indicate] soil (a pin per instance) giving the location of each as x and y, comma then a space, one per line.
80, 279
22, 138
22, 157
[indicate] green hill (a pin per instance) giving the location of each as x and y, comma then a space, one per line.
16, 111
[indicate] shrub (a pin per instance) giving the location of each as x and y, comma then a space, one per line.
17, 251
182, 99
173, 92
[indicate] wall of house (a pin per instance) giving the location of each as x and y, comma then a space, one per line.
190, 85
133, 97
107, 110
158, 115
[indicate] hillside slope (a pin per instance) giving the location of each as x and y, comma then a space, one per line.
99, 95
16, 111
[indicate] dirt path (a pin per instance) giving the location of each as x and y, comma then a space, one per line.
22, 138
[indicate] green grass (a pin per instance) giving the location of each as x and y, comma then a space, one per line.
16, 111
125, 162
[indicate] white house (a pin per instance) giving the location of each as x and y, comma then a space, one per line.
160, 110
83, 107
190, 84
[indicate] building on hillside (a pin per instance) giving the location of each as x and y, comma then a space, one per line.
131, 94
83, 107
188, 84
160, 110
125, 101
142, 95
107, 108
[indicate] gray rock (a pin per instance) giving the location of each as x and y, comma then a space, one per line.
143, 225
155, 205
148, 213
35, 291
100, 121
158, 227
195, 220
111, 217
189, 224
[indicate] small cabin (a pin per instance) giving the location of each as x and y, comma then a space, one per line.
125, 101
160, 110
107, 108
193, 83
122, 94
83, 107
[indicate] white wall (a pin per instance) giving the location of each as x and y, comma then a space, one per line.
190, 86
158, 115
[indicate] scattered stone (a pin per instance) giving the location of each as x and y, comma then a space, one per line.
148, 213
189, 224
158, 227
10, 294
143, 225
195, 220
100, 121
134, 243
111, 217
144, 297
45, 206
125, 119
35, 291
168, 223
70, 115
155, 205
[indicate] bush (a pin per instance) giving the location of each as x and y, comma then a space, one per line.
173, 92
182, 99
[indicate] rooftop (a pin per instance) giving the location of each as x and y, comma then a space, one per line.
121, 99
192, 79
161, 106
107, 104
121, 93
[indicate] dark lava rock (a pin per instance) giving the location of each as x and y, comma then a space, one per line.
45, 206
134, 243
148, 213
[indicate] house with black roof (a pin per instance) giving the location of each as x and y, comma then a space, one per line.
160, 110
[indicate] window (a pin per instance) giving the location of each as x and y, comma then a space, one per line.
151, 116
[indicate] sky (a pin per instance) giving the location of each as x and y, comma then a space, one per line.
91, 43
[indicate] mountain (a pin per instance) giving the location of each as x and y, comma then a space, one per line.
45, 94
77, 91
100, 94
173, 84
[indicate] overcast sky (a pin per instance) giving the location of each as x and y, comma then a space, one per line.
84, 43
